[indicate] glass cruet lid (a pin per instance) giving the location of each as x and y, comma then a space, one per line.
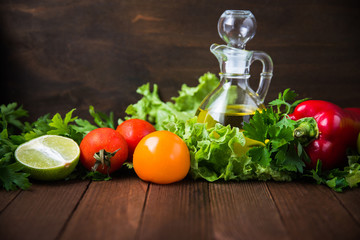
237, 27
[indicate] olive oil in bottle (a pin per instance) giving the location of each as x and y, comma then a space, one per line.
235, 115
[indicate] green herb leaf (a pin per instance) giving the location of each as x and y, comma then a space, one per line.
10, 115
283, 102
83, 126
282, 150
60, 126
12, 178
101, 119
260, 155
258, 127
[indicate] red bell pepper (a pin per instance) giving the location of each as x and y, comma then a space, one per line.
330, 135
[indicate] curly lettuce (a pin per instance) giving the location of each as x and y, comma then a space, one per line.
220, 153
265, 150
151, 108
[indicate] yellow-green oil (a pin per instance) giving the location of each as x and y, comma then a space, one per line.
235, 115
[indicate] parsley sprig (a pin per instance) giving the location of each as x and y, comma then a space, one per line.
281, 154
282, 151
14, 131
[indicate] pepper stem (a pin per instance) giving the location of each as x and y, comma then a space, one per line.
306, 130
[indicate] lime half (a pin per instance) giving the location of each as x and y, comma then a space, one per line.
48, 157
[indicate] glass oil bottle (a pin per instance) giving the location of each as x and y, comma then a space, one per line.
234, 101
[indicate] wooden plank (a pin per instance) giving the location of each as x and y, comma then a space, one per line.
244, 210
311, 211
177, 211
41, 212
6, 198
108, 210
351, 201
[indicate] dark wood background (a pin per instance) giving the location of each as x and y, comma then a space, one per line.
63, 54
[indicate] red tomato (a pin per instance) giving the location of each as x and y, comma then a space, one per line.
107, 139
161, 157
133, 130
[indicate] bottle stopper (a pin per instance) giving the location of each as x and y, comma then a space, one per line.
237, 27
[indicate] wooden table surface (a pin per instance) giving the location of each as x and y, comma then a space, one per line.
128, 208
64, 54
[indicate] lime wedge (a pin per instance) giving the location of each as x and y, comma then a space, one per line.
48, 157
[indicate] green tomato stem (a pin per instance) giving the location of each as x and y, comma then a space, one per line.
103, 158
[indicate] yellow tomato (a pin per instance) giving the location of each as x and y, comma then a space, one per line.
161, 157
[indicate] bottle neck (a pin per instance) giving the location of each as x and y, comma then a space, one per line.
241, 80
244, 76
234, 77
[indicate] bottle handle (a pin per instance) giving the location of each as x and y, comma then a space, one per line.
265, 75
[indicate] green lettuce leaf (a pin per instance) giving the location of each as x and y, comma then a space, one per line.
151, 108
190, 98
220, 153
338, 179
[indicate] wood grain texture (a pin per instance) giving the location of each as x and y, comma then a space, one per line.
40, 213
350, 200
127, 208
70, 54
108, 210
63, 54
311, 211
244, 210
6, 198
177, 211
